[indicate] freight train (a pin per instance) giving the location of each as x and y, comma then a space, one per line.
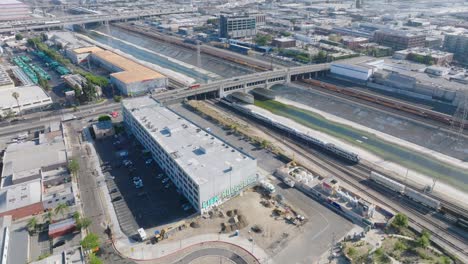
329, 147
406, 107
406, 191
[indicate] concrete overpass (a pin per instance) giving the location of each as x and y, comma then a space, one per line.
44, 23
246, 83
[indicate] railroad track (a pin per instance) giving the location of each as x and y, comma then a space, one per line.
359, 173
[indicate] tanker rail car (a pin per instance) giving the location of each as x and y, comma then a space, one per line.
406, 191
329, 147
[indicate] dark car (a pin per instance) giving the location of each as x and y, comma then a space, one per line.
118, 198
59, 243
113, 191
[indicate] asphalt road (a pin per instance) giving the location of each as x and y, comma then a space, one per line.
212, 252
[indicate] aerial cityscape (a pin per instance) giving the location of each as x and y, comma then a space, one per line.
222, 131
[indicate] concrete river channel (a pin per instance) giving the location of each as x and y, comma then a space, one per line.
224, 69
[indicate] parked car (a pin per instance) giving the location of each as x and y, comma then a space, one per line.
159, 176
59, 243
148, 161
118, 198
165, 180
113, 191
167, 186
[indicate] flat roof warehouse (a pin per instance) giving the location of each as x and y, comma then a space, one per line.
131, 71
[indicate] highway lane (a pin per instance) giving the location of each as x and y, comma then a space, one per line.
37, 122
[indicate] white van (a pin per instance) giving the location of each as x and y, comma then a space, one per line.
142, 234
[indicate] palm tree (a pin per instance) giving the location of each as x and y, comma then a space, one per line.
32, 225
48, 216
61, 208
16, 95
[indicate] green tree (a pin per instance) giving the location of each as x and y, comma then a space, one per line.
90, 241
352, 252
76, 216
400, 220
47, 217
73, 166
44, 84
18, 36
32, 225
84, 223
93, 259
264, 144
16, 95
399, 246
425, 239
117, 98
262, 39
44, 37
104, 118
61, 208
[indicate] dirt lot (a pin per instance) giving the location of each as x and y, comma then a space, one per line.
275, 230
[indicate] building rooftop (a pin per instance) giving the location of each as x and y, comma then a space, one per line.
4, 78
72, 255
28, 95
131, 70
20, 195
204, 157
25, 159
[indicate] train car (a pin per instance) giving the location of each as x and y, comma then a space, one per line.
422, 198
389, 183
342, 153
462, 223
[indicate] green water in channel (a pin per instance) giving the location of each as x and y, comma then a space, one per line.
408, 158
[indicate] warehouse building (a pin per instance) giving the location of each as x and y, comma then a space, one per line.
284, 43
130, 77
31, 98
207, 170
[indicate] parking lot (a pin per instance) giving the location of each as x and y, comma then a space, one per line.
153, 203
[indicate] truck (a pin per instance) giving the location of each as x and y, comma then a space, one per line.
270, 188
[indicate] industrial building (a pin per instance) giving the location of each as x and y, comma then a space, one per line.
458, 45
237, 26
130, 77
424, 55
399, 39
207, 170
283, 43
414, 80
31, 98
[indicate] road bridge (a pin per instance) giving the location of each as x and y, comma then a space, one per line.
246, 83
44, 23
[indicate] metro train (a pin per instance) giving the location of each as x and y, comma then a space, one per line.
406, 191
337, 151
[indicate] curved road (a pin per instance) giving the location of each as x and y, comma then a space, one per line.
212, 252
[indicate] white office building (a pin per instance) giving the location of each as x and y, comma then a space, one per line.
207, 170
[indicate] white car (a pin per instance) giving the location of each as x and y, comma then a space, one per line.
138, 184
148, 161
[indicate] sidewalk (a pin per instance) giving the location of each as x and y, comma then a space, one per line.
142, 251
